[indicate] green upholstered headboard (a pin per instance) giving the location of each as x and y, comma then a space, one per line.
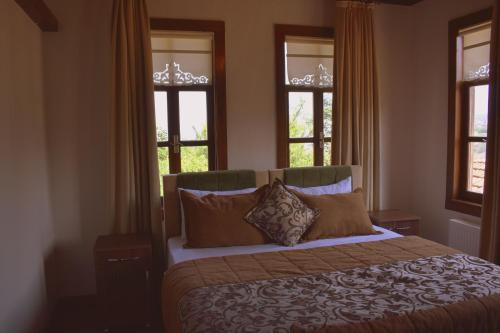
316, 176
217, 180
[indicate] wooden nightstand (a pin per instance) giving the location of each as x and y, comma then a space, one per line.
123, 266
398, 221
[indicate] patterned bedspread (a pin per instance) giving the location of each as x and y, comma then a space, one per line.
398, 285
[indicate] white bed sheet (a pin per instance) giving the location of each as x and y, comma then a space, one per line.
177, 253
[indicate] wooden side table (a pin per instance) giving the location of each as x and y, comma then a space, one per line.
123, 267
398, 221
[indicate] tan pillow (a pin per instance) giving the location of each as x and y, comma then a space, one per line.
341, 215
216, 221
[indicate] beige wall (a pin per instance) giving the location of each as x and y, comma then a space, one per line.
26, 232
76, 60
77, 68
394, 40
250, 65
412, 61
414, 88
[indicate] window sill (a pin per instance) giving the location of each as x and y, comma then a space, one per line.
465, 207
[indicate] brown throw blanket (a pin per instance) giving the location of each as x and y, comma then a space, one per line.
399, 285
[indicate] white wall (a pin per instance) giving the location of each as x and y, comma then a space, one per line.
26, 233
414, 94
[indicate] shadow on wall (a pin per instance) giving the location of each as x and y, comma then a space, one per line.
77, 98
33, 310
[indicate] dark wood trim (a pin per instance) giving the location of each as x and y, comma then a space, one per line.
200, 87
280, 32
173, 129
218, 93
39, 13
465, 207
465, 139
392, 2
281, 100
306, 89
211, 135
400, 2
318, 127
190, 143
301, 140
456, 199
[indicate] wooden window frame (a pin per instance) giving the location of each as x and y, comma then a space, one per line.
457, 197
466, 138
282, 90
174, 123
216, 93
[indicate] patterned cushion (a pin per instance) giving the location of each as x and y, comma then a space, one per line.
282, 215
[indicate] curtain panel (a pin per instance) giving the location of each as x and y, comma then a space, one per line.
490, 228
135, 188
356, 138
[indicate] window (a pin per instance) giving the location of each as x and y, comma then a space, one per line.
305, 93
468, 111
189, 95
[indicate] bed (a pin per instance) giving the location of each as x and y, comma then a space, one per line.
375, 283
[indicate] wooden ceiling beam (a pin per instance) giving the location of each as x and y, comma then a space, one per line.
39, 13
400, 2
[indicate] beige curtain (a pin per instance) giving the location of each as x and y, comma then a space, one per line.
490, 228
136, 189
356, 120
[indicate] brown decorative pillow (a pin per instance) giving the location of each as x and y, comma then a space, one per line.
282, 215
216, 221
342, 215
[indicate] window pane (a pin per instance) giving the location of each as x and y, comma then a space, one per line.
163, 164
327, 114
182, 58
476, 62
161, 113
301, 155
194, 159
309, 61
477, 161
478, 110
193, 115
300, 113
327, 153
182, 69
476, 51
476, 35
163, 161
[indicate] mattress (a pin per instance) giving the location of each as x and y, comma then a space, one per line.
177, 253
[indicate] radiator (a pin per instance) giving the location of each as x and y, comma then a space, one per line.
464, 236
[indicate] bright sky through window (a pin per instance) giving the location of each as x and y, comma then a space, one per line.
192, 121
481, 110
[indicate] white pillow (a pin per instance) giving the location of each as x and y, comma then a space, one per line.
200, 193
344, 186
